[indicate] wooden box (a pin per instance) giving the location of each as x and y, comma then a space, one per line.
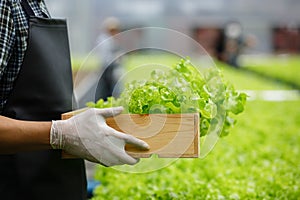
168, 135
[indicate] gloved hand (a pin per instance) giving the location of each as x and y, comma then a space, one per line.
87, 136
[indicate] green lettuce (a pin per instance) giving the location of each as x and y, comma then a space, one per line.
182, 89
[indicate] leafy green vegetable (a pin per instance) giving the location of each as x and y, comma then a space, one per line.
182, 89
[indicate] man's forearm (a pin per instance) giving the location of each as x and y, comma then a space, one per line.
17, 135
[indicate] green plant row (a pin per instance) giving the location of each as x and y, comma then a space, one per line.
259, 160
284, 69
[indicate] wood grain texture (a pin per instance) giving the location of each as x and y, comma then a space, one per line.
169, 135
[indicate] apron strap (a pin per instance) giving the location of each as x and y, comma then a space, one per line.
29, 12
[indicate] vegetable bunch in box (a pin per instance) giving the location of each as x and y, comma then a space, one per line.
182, 89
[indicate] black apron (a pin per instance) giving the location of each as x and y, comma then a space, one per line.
43, 90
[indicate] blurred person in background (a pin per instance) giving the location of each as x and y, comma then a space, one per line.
232, 43
108, 50
35, 89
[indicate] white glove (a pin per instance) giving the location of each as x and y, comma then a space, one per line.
87, 136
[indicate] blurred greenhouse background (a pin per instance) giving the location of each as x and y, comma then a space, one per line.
259, 159
262, 19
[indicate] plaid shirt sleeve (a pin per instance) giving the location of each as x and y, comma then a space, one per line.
13, 41
7, 33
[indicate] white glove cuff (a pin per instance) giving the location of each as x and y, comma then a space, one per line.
56, 136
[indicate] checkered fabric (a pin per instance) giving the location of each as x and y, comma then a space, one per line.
13, 41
